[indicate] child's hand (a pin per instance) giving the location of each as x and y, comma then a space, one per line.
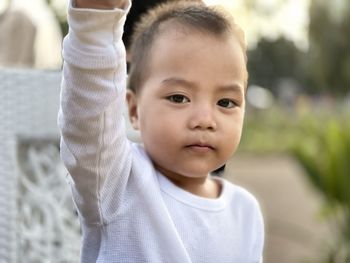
101, 4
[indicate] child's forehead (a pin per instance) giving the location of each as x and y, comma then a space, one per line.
186, 51
175, 34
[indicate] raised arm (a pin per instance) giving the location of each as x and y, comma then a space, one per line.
94, 147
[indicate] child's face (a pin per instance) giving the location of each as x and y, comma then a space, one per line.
190, 109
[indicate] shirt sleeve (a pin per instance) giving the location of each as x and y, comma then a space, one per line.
93, 144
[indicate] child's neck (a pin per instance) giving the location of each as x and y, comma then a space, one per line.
204, 186
209, 189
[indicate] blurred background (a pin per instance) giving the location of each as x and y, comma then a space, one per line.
295, 151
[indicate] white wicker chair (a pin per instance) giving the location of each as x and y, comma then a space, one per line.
37, 219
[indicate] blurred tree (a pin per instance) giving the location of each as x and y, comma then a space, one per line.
325, 68
273, 60
329, 54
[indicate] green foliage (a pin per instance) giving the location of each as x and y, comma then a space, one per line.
323, 150
268, 131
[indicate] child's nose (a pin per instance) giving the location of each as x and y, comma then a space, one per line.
203, 118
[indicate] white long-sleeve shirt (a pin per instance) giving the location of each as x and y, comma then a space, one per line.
129, 212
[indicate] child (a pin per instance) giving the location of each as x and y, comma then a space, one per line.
156, 202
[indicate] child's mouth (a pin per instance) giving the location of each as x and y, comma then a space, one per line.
200, 148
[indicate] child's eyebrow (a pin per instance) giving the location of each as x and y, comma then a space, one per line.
234, 87
174, 81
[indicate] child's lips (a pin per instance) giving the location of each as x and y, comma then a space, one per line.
200, 147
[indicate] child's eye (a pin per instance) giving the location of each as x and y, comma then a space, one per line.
177, 98
226, 103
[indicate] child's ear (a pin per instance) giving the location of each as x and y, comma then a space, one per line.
131, 99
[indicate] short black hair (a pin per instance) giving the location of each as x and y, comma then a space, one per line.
138, 9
